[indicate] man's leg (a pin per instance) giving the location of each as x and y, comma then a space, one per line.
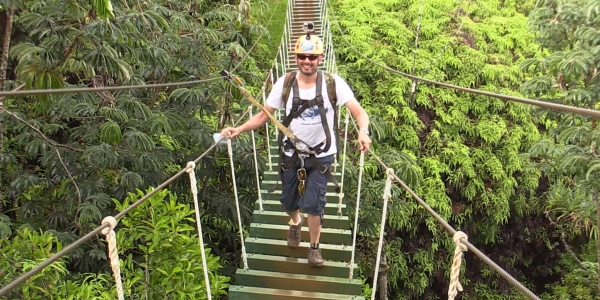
289, 201
313, 202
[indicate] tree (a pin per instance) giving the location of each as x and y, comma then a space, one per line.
66, 156
568, 155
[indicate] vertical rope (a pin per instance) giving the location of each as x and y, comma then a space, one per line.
113, 254
387, 194
341, 194
194, 186
260, 200
356, 213
237, 205
455, 286
264, 95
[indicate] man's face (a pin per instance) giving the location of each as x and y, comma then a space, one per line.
308, 63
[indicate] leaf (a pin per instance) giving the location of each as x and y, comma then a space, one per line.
110, 132
139, 140
103, 8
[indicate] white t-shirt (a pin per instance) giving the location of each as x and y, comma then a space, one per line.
308, 127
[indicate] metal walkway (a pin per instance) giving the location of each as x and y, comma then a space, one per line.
276, 271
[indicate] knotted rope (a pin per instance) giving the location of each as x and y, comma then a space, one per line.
361, 165
260, 200
455, 286
191, 166
113, 253
341, 194
387, 194
237, 205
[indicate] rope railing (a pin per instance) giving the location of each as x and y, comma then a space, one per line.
191, 166
387, 194
237, 204
361, 167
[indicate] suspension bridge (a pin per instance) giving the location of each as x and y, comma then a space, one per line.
270, 270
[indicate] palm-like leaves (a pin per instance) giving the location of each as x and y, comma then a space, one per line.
121, 134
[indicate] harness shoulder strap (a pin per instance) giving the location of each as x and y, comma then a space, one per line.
290, 79
331, 93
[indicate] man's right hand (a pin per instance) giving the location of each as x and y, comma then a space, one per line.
230, 132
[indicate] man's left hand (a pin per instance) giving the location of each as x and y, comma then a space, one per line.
364, 141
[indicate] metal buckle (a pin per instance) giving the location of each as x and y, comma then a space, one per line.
325, 170
301, 173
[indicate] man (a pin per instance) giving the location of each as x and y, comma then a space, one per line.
308, 127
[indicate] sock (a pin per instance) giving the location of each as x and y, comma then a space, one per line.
294, 223
314, 245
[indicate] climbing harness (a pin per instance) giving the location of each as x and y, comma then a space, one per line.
301, 173
298, 108
301, 148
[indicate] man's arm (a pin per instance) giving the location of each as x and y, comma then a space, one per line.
362, 118
258, 120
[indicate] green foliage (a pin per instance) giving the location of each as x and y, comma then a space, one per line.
113, 143
27, 250
568, 155
459, 152
580, 279
161, 253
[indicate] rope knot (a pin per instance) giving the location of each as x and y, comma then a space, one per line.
111, 222
459, 239
113, 254
389, 171
190, 166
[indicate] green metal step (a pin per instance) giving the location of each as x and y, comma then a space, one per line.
276, 194
237, 292
275, 263
341, 253
300, 282
280, 232
275, 205
281, 218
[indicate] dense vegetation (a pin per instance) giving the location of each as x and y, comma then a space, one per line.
520, 181
67, 159
466, 155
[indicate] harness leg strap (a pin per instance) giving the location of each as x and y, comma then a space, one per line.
326, 171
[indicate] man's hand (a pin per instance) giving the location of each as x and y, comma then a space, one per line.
230, 132
364, 141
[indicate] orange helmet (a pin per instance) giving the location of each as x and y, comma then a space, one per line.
309, 45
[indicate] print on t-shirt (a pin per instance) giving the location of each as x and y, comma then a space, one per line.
312, 116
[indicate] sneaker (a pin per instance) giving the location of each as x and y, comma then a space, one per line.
295, 234
314, 257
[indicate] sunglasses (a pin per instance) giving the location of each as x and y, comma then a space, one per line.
310, 57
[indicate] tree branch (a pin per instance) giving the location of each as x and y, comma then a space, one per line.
74, 183
54, 144
563, 238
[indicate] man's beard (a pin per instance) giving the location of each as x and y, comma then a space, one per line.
312, 71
